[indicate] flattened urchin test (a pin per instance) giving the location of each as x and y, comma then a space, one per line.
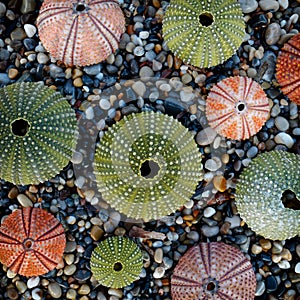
147, 165
38, 133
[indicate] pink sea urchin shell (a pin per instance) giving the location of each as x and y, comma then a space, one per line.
213, 271
80, 32
288, 69
32, 241
237, 107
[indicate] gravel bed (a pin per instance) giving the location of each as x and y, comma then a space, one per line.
101, 95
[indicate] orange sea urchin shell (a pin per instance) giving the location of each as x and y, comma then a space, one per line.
237, 107
213, 271
288, 69
80, 32
32, 241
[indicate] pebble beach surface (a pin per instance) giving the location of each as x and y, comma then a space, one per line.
211, 214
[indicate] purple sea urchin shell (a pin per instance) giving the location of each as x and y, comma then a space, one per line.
213, 271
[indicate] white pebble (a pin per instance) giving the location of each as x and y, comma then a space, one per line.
104, 104
159, 272
24, 200
30, 30
33, 282
209, 212
285, 139
297, 268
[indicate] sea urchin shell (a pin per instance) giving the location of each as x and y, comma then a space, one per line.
204, 33
288, 69
37, 136
213, 271
147, 165
259, 192
80, 32
32, 241
116, 262
237, 107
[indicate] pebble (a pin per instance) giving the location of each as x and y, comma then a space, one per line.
248, 6
4, 79
84, 290
273, 33
2, 9
269, 5
281, 123
69, 270
235, 221
284, 139
256, 249
18, 34
209, 212
96, 233
271, 284
159, 272
28, 6
265, 244
54, 290
260, 288
104, 103
30, 30
213, 164
219, 182
71, 294
42, 58
37, 294
158, 255
283, 3
21, 286
209, 231
24, 200
33, 282
146, 72
12, 73
139, 88
206, 136
297, 268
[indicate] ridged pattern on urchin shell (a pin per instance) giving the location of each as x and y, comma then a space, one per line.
134, 140
84, 36
198, 45
48, 145
237, 107
32, 241
259, 191
116, 262
288, 69
213, 271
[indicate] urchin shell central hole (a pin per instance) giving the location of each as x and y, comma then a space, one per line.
206, 19
28, 243
290, 200
80, 7
118, 267
20, 127
210, 286
149, 168
240, 106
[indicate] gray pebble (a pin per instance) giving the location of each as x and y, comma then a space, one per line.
4, 79
70, 270
209, 231
209, 212
206, 136
235, 221
284, 139
269, 5
139, 88
159, 272
2, 9
260, 288
139, 51
283, 3
104, 104
54, 290
281, 123
272, 34
248, 6
93, 70
145, 72
252, 152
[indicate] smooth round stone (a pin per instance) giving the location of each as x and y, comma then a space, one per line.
193, 235
281, 123
37, 294
297, 268
235, 221
115, 292
271, 284
28, 6
209, 231
24, 200
260, 288
272, 34
156, 65
104, 104
269, 5
42, 58
256, 249
33, 282
277, 248
209, 212
283, 3
252, 152
284, 264
158, 255
139, 51
71, 294
70, 270
21, 286
266, 244
30, 30
248, 6
213, 164
145, 72
186, 96
54, 290
84, 290
18, 34
93, 70
2, 9
139, 88
186, 78
206, 136
284, 139
159, 272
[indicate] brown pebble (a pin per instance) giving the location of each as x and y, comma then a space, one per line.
177, 62
266, 244
12, 73
219, 183
13, 193
96, 233
156, 3
225, 227
76, 73
157, 48
256, 249
286, 254
170, 61
78, 82
12, 294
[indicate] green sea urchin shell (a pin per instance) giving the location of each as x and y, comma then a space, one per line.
204, 33
152, 141
37, 133
259, 192
116, 262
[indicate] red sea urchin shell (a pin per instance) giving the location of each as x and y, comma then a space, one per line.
288, 69
80, 32
32, 241
213, 271
237, 107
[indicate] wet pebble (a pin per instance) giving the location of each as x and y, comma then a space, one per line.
284, 139
248, 6
281, 123
209, 231
54, 290
33, 282
272, 34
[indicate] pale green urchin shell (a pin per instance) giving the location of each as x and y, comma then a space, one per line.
154, 143
37, 133
116, 262
259, 192
204, 33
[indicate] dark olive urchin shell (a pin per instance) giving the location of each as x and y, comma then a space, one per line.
259, 192
116, 262
213, 271
139, 139
288, 69
32, 241
37, 133
204, 33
